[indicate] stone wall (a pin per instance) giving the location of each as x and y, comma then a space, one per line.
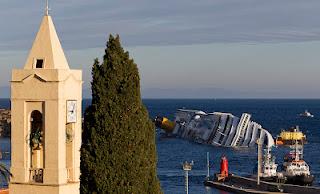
5, 123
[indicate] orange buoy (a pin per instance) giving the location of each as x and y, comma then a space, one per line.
224, 167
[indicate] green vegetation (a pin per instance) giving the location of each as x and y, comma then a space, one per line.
4, 172
36, 138
118, 153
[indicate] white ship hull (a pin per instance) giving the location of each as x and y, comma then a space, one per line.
222, 129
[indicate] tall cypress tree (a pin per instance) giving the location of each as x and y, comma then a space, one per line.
118, 153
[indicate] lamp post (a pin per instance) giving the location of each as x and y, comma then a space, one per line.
259, 160
187, 167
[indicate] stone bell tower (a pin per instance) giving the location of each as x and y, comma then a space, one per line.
46, 119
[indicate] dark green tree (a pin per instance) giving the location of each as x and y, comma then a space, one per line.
118, 153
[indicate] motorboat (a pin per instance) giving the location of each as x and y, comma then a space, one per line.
306, 113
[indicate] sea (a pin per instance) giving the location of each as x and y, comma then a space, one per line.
273, 114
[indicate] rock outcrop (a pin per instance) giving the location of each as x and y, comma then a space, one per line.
5, 123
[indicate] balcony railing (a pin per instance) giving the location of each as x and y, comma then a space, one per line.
36, 175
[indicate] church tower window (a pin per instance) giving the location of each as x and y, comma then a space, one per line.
39, 63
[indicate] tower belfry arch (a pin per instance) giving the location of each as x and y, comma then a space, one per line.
46, 100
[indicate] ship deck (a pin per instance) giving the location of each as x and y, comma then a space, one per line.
238, 184
236, 188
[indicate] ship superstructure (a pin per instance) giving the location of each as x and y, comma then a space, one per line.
217, 128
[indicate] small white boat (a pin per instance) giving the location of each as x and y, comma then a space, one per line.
306, 114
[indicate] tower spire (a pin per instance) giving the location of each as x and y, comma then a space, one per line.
46, 46
47, 8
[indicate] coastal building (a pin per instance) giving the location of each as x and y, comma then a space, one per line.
46, 119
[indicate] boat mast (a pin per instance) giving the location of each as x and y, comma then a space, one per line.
208, 166
301, 149
296, 151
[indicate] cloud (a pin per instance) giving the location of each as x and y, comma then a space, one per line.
86, 24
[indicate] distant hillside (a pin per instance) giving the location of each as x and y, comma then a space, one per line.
5, 123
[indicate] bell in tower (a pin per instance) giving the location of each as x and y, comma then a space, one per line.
46, 100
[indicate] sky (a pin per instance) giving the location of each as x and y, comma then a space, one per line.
183, 48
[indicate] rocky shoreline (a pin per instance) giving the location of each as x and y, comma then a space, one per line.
5, 123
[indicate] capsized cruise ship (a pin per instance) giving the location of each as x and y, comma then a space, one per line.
217, 128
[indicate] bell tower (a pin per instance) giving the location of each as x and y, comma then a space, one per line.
46, 100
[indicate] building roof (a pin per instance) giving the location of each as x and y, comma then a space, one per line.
47, 47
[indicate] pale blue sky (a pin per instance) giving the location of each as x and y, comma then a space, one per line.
191, 49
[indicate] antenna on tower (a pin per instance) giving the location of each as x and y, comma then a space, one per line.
47, 8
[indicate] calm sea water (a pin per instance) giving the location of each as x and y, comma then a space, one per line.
273, 115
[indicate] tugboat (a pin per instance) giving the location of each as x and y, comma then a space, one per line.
306, 114
269, 168
296, 170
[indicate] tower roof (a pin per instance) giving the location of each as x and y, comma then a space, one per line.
47, 47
